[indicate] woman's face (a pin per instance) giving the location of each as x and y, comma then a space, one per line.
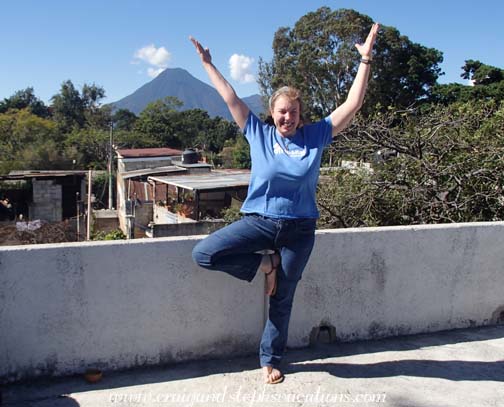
286, 115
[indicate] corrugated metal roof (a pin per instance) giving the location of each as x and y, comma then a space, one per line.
195, 165
148, 171
147, 152
208, 181
25, 174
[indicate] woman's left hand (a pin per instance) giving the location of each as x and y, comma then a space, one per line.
366, 49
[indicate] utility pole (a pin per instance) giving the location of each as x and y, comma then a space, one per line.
110, 157
89, 209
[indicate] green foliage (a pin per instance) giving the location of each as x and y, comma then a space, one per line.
449, 168
68, 108
241, 154
25, 99
156, 121
231, 214
236, 153
213, 133
481, 74
26, 140
77, 135
47, 155
100, 189
89, 147
354, 199
488, 84
318, 57
124, 119
162, 123
73, 110
112, 235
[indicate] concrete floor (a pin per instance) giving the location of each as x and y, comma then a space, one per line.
455, 368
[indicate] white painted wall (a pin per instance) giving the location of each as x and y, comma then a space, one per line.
378, 282
121, 304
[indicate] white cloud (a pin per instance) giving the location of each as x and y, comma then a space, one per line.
241, 68
156, 57
153, 72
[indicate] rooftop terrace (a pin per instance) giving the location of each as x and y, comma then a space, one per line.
455, 368
143, 304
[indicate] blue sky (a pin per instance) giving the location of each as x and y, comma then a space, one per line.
116, 44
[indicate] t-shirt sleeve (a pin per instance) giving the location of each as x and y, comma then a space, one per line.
253, 128
327, 131
320, 133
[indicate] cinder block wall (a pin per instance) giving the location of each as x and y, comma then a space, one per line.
116, 305
47, 201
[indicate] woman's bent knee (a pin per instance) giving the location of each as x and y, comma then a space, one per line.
200, 257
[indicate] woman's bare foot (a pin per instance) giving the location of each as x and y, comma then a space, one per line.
272, 375
268, 266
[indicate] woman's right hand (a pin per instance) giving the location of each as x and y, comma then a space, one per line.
204, 53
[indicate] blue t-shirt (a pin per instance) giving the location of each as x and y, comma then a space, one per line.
285, 171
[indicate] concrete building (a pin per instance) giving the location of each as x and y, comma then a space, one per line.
134, 196
162, 195
129, 159
54, 193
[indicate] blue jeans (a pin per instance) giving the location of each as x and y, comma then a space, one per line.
232, 250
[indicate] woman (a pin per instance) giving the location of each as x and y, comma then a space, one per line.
280, 209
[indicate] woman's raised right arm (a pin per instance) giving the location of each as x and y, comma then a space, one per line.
239, 110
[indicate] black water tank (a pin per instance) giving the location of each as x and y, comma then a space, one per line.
189, 156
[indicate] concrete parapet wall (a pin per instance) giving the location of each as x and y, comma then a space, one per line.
378, 282
121, 304
184, 229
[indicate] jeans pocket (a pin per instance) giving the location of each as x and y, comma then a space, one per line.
306, 226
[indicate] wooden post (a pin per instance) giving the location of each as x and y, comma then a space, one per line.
197, 204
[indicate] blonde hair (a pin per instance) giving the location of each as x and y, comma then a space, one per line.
290, 93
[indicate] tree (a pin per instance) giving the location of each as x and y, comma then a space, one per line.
156, 122
236, 153
220, 131
44, 156
487, 84
20, 131
192, 128
89, 147
68, 107
481, 74
73, 110
25, 99
197, 129
318, 56
124, 119
241, 154
162, 122
447, 167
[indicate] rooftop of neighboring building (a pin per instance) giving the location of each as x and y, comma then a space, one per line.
148, 152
